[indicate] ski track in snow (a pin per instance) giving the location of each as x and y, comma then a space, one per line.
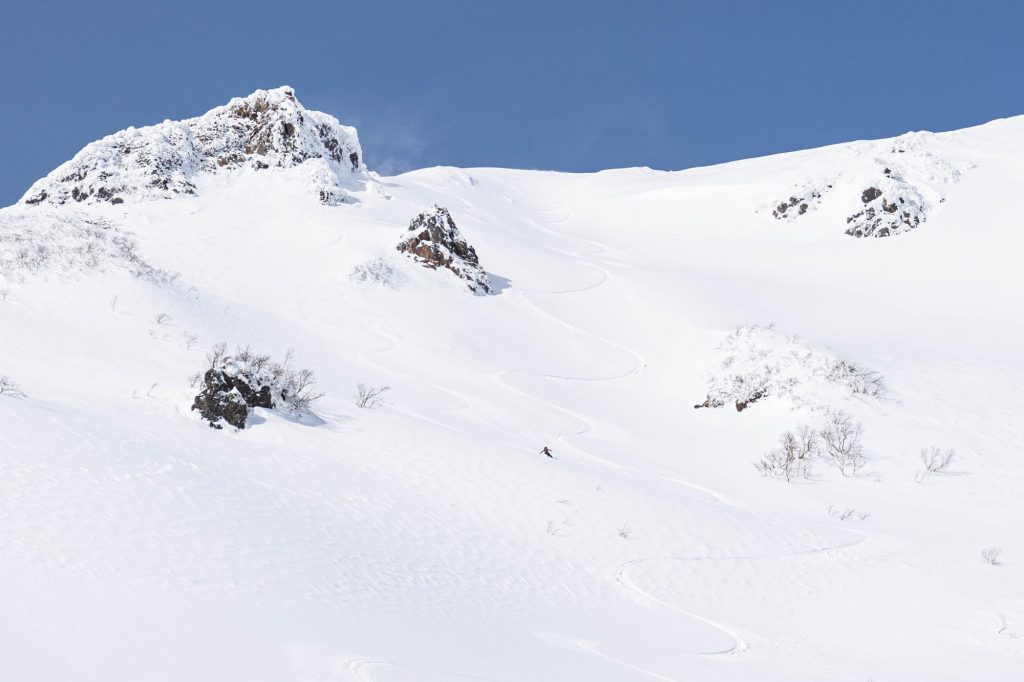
362, 670
621, 572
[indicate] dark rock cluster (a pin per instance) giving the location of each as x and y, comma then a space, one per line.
229, 398
886, 212
796, 205
434, 241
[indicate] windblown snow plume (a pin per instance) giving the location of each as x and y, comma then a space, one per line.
267, 129
756, 362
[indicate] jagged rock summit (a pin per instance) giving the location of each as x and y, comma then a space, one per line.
434, 241
267, 129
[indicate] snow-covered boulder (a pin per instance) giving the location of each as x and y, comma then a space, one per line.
434, 242
235, 384
267, 129
890, 206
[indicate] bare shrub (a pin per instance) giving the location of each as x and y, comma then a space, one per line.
793, 458
847, 514
10, 389
190, 340
377, 271
163, 318
991, 555
299, 393
369, 396
625, 532
840, 442
935, 461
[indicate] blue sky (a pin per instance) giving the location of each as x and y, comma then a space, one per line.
550, 84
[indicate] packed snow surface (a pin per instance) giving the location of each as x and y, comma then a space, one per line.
428, 539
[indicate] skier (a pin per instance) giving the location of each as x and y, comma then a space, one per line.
547, 452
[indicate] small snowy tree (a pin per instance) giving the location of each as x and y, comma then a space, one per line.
10, 389
840, 442
792, 458
935, 461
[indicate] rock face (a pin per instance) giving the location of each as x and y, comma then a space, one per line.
229, 398
434, 241
267, 129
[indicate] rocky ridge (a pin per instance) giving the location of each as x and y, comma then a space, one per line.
267, 129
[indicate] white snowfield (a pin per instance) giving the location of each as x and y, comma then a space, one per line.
427, 539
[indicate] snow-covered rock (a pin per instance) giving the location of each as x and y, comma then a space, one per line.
891, 205
434, 241
756, 362
235, 384
883, 188
804, 197
267, 129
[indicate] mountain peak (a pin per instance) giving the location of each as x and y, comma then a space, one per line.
266, 129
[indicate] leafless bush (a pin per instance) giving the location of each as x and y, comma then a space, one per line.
625, 532
860, 381
190, 340
163, 318
369, 396
935, 461
4, 293
846, 515
299, 391
10, 389
840, 442
991, 555
792, 459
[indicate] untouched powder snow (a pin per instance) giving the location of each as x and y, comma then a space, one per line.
428, 539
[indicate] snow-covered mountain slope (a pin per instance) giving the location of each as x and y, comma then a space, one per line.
427, 538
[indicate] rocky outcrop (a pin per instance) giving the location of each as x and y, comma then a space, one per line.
235, 384
435, 242
802, 200
891, 206
267, 129
229, 398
